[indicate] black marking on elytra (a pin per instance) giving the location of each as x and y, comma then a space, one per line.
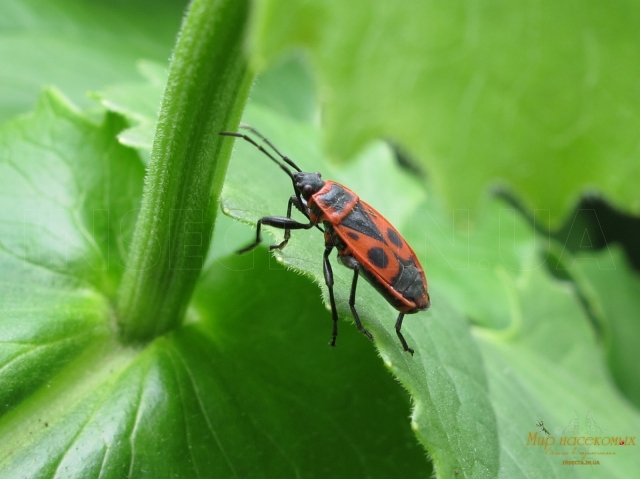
337, 198
353, 235
378, 257
360, 221
408, 281
394, 238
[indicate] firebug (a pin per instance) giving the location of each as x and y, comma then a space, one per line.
366, 242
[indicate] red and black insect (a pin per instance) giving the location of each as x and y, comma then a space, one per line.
366, 242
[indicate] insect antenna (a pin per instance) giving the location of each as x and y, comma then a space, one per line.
259, 147
285, 158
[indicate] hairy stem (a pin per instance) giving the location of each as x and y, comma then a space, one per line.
208, 85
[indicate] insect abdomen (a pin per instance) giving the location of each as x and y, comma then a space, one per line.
385, 259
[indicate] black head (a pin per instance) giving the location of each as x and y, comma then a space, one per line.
308, 183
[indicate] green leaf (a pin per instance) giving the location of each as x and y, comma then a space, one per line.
49, 320
533, 354
287, 87
240, 394
542, 100
221, 397
139, 102
448, 386
329, 412
549, 366
611, 289
69, 193
78, 46
490, 268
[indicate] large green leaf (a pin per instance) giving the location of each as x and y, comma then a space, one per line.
541, 98
68, 193
612, 292
48, 320
218, 398
78, 46
492, 269
538, 351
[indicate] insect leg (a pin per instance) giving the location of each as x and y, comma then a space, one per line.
301, 206
277, 222
328, 278
295, 201
402, 340
352, 302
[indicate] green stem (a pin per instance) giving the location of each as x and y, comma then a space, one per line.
208, 85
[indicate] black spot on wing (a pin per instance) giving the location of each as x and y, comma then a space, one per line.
353, 235
336, 198
394, 238
378, 257
359, 220
408, 281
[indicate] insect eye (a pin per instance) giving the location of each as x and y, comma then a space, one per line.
307, 189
